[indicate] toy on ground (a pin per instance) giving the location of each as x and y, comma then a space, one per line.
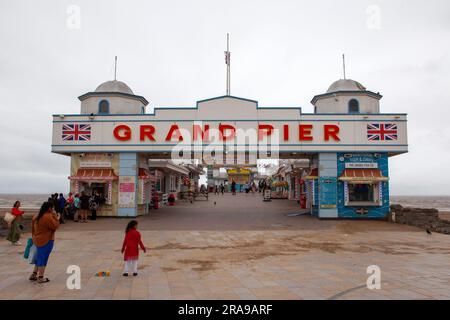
103, 274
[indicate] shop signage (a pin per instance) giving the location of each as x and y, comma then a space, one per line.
95, 164
361, 165
95, 160
127, 192
328, 192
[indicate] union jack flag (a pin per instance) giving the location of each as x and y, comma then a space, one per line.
382, 131
76, 132
227, 57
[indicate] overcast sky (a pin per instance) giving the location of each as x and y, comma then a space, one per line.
171, 52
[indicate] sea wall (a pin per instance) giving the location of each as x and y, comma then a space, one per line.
418, 217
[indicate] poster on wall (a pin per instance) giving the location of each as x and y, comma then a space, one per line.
127, 191
328, 192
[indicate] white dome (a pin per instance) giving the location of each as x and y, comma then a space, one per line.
346, 85
114, 86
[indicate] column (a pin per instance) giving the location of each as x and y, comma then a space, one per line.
328, 185
128, 171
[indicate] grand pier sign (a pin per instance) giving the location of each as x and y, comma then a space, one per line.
232, 123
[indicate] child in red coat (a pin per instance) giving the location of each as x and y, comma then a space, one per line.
130, 248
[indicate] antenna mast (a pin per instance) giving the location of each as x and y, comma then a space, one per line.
115, 68
343, 64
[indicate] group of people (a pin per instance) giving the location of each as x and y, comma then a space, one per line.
43, 228
250, 186
219, 189
76, 207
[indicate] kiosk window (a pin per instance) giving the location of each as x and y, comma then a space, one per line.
361, 193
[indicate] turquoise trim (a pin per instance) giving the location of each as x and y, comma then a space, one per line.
197, 151
188, 108
359, 114
226, 96
230, 144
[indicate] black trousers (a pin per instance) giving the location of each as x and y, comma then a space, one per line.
93, 214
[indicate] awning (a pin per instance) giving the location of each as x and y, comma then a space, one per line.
145, 174
362, 176
313, 175
168, 167
94, 174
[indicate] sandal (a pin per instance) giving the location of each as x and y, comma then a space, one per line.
33, 277
42, 280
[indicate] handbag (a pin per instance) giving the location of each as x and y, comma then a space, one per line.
9, 217
32, 257
26, 253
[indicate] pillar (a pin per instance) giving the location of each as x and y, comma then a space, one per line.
328, 185
128, 179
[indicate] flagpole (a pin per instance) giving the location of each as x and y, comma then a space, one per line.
228, 64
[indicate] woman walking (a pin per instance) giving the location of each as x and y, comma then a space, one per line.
14, 230
84, 207
43, 227
94, 203
130, 248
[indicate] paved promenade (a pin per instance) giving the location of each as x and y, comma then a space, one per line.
238, 248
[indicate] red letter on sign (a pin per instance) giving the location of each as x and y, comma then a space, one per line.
122, 132
264, 130
147, 131
198, 130
222, 129
331, 130
286, 132
174, 129
304, 132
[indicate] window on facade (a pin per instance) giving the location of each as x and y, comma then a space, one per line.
361, 192
103, 106
353, 106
